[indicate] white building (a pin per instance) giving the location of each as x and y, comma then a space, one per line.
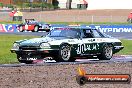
62, 3
100, 4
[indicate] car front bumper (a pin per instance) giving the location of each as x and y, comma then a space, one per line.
38, 54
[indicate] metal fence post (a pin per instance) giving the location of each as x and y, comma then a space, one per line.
92, 19
111, 18
40, 17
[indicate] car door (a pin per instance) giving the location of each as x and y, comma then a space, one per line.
89, 44
31, 26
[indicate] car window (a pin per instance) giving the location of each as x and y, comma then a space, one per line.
55, 32
87, 33
64, 32
30, 21
96, 34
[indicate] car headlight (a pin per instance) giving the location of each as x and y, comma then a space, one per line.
45, 45
15, 46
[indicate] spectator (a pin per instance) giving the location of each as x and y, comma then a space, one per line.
129, 19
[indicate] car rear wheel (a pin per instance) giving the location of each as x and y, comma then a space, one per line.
21, 29
36, 29
107, 53
65, 54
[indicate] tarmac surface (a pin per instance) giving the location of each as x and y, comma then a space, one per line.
123, 35
116, 15
115, 59
106, 15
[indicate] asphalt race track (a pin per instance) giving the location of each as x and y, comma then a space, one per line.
115, 59
26, 33
116, 35
121, 58
120, 35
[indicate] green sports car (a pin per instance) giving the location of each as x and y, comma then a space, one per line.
66, 44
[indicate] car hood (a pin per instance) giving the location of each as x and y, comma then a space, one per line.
36, 41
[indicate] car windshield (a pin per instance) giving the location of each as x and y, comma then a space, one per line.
30, 21
65, 32
107, 36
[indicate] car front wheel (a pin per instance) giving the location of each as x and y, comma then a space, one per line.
107, 53
21, 29
36, 28
65, 54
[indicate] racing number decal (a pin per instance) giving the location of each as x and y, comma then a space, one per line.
81, 48
84, 47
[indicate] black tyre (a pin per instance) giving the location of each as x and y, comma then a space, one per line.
81, 80
65, 54
47, 30
107, 53
21, 29
36, 28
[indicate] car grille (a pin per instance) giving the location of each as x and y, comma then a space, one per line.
31, 56
28, 48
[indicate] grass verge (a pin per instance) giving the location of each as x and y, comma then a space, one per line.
6, 42
127, 47
10, 22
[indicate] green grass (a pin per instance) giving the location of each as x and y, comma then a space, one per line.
6, 43
10, 22
127, 47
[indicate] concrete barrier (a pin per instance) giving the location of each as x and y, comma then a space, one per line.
113, 28
8, 28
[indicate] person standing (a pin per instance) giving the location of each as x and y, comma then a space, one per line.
129, 19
